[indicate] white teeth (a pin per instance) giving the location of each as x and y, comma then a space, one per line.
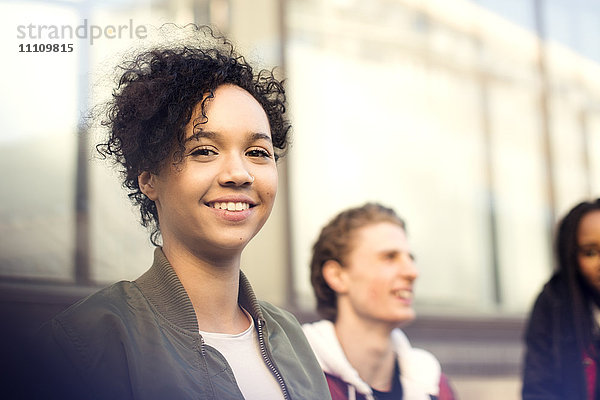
230, 206
405, 294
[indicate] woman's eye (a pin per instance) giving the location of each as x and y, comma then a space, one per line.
262, 153
589, 252
203, 151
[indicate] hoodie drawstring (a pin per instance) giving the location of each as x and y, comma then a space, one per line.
351, 392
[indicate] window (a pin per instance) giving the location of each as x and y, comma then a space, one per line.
439, 113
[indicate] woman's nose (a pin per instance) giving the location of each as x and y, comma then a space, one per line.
235, 172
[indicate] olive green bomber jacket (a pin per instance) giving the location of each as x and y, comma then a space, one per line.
140, 340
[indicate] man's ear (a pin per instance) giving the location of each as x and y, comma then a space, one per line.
146, 182
334, 275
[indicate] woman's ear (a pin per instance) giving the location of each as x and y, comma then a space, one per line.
146, 182
334, 274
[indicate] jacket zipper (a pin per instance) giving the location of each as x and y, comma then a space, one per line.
202, 343
267, 359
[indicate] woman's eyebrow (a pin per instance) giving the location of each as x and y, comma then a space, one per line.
201, 134
260, 136
214, 135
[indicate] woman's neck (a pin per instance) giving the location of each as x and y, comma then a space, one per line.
212, 285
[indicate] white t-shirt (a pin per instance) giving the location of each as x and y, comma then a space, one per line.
242, 352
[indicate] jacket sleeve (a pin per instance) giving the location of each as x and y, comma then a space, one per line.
83, 360
59, 378
539, 380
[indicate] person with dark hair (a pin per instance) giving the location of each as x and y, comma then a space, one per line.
563, 332
196, 133
363, 273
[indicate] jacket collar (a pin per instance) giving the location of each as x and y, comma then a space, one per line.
163, 289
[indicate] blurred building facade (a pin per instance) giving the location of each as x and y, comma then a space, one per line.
480, 131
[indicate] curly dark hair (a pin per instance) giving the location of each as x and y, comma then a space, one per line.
567, 249
335, 243
155, 99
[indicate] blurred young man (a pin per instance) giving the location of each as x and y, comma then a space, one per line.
362, 272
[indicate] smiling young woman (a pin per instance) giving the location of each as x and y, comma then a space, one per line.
197, 134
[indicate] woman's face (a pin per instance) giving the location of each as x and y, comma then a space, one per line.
588, 243
379, 273
221, 194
